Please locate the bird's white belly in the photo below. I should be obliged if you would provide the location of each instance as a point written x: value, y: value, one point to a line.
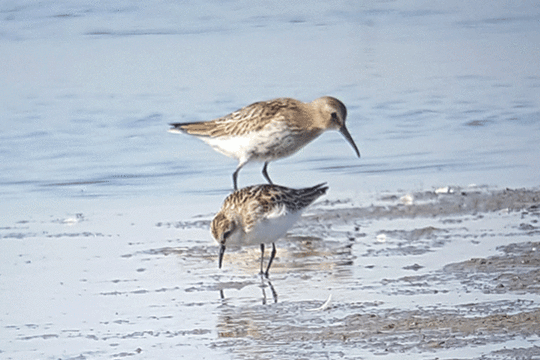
x: 232, y: 146
x: 269, y: 229
x: 264, y: 145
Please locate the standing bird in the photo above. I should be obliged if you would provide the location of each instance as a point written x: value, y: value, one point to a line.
x: 261, y: 214
x: 269, y: 130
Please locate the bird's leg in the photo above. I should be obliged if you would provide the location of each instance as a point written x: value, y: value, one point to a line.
x: 265, y: 173
x: 235, y: 174
x: 272, y: 255
x: 262, y: 258
x: 234, y: 178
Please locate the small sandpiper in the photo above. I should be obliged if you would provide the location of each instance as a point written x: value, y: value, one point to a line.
x: 261, y: 214
x: 269, y: 130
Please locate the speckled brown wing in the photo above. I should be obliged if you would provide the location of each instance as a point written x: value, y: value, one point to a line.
x: 253, y: 117
x: 252, y: 202
x: 257, y: 201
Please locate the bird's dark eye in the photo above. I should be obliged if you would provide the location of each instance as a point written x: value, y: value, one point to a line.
x: 226, y: 234
x: 334, y: 117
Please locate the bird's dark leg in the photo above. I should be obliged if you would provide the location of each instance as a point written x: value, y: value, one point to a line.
x: 262, y: 258
x: 265, y: 173
x: 272, y: 255
x: 241, y: 164
x: 235, y: 177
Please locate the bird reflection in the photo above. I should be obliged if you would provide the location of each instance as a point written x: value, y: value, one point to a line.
x: 265, y: 283
x: 274, y: 293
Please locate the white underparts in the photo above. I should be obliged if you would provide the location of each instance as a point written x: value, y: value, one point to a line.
x: 271, y: 143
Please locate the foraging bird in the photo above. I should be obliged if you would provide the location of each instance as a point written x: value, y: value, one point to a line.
x: 261, y: 214
x: 269, y: 130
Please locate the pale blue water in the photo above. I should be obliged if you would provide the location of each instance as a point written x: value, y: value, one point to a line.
x: 444, y: 93
x: 436, y: 96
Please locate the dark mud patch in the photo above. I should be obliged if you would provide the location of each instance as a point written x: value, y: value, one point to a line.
x: 440, y: 203
x: 517, y: 269
x: 379, y: 331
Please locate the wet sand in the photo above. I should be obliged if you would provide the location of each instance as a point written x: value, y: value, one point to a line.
x: 508, y: 280
x: 446, y: 273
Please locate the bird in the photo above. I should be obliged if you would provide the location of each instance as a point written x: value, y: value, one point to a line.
x: 269, y: 130
x: 261, y: 214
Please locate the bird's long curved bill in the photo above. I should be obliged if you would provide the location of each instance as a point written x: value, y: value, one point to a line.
x: 221, y: 252
x: 349, y: 139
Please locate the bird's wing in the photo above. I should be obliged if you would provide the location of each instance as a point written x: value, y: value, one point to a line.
x: 253, y: 117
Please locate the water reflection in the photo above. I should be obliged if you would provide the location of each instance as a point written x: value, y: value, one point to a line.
x: 265, y: 283
x: 273, y: 291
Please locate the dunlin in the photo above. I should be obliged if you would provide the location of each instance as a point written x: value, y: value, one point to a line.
x: 261, y: 214
x: 269, y: 130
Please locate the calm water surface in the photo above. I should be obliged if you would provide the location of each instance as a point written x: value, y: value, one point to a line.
x: 437, y: 95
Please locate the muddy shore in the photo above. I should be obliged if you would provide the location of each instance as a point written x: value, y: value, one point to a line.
x: 504, y: 284
x: 447, y: 273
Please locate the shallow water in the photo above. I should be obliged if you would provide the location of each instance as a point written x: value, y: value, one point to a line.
x: 104, y: 233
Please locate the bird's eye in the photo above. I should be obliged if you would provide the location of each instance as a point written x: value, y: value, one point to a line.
x: 226, y: 234
x: 335, y: 117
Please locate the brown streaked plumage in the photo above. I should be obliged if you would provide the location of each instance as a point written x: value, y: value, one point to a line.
x: 269, y: 130
x: 261, y: 214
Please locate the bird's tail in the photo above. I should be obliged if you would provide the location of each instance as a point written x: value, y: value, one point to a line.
x: 201, y: 128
